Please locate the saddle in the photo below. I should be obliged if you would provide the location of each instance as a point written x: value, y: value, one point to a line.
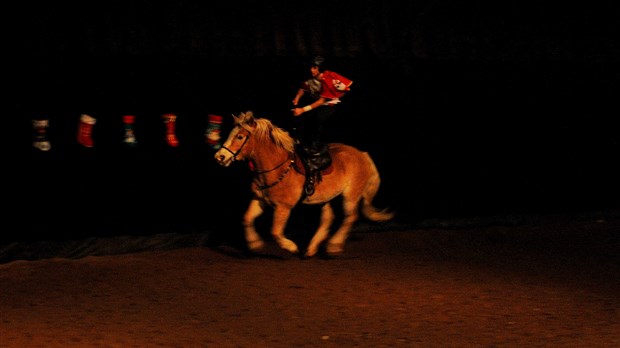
x: 315, y: 158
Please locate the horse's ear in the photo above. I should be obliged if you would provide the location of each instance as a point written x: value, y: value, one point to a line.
x: 248, y: 118
x: 237, y: 120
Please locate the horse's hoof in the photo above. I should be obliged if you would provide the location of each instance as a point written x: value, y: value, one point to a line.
x: 311, y: 252
x: 289, y: 246
x: 335, y: 249
x: 256, y: 245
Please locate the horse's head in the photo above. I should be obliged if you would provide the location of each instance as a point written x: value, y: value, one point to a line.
x: 236, y: 146
x: 250, y: 132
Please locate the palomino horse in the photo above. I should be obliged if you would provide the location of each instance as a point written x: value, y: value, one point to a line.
x: 278, y: 183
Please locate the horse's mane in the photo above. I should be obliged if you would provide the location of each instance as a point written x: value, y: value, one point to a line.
x: 266, y: 130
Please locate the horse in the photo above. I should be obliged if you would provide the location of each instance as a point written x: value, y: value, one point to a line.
x: 278, y: 180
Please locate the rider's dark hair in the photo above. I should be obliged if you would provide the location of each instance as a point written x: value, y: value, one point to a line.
x: 319, y: 62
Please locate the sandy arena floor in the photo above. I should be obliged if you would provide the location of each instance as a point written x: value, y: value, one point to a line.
x: 553, y: 284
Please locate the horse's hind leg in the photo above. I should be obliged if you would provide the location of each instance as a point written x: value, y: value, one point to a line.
x: 327, y: 217
x: 252, y: 239
x: 280, y: 218
x: 350, y: 212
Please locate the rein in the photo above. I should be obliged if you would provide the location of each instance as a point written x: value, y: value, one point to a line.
x: 257, y: 171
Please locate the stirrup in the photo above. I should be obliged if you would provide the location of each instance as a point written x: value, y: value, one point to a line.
x: 309, y: 185
x: 309, y: 189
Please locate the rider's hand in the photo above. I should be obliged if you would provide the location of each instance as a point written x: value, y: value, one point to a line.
x: 297, y: 111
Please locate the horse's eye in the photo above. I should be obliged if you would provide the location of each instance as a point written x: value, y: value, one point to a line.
x: 239, y: 137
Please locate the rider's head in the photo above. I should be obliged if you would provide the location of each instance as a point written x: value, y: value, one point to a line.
x: 318, y: 62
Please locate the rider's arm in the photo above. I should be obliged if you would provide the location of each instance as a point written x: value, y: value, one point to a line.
x: 315, y: 104
x: 300, y: 93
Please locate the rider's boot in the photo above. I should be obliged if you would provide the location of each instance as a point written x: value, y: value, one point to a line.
x: 315, y: 157
x: 311, y: 175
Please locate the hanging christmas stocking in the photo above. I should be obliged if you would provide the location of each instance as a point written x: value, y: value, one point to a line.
x: 130, y: 138
x: 40, y: 135
x: 212, y: 133
x: 170, y: 121
x: 85, y: 130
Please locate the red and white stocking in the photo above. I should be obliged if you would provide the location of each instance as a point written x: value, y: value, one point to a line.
x: 85, y: 130
x: 40, y: 135
x: 170, y: 121
x: 212, y: 133
x: 130, y: 138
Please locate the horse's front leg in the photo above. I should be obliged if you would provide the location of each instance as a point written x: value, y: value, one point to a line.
x: 280, y: 218
x: 252, y: 239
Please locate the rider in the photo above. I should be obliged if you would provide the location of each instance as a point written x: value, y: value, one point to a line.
x: 325, y: 89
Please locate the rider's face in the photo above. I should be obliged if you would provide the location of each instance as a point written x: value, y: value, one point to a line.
x: 314, y: 71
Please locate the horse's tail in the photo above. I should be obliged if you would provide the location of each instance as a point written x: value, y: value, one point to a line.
x: 369, y: 211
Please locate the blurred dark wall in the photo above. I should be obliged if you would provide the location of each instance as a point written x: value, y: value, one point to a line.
x: 468, y: 109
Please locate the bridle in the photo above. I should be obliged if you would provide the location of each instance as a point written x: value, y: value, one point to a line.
x: 234, y: 154
x: 290, y: 159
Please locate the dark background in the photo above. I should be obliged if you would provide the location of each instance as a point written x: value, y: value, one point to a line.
x: 469, y: 109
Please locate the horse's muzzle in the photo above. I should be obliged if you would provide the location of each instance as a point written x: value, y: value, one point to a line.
x: 222, y: 159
